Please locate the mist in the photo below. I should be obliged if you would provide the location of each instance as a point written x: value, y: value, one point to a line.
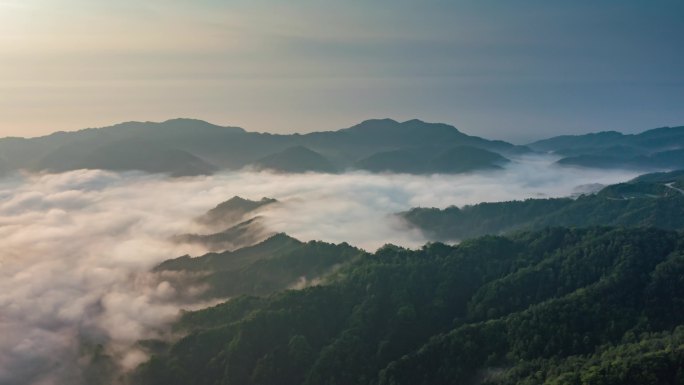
x: 76, y: 248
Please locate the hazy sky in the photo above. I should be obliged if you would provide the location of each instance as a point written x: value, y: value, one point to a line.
x: 500, y: 69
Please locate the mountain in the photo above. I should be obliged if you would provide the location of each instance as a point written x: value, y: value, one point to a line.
x: 243, y: 234
x: 564, y: 143
x: 191, y: 147
x: 672, y: 177
x: 650, y: 200
x: 398, y: 161
x: 126, y: 155
x: 420, y: 160
x: 660, y: 148
x: 296, y: 159
x: 275, y: 264
x: 4, y: 168
x: 393, y: 134
x: 237, y: 222
x: 465, y: 159
x: 232, y: 211
x: 558, y: 306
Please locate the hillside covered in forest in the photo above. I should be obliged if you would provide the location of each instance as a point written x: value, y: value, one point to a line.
x: 649, y: 200
x: 558, y: 306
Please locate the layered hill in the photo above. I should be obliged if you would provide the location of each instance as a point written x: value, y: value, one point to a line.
x: 657, y: 149
x: 559, y: 306
x: 247, y: 257
x: 655, y: 200
x: 192, y: 147
x: 275, y: 264
x: 231, y: 225
x: 419, y: 160
x: 232, y: 211
x: 296, y: 159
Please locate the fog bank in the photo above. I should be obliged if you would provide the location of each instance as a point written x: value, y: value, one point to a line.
x: 76, y: 248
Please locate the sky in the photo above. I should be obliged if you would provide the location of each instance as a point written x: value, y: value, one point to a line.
x: 517, y: 71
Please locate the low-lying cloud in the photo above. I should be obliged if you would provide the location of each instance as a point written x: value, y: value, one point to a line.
x: 76, y: 248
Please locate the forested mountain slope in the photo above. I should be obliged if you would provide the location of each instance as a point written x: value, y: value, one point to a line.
x: 277, y: 263
x: 559, y: 306
x: 650, y: 200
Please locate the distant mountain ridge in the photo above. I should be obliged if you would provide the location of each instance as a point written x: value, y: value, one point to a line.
x: 650, y: 200
x: 186, y: 147
x: 656, y: 149
x: 183, y: 147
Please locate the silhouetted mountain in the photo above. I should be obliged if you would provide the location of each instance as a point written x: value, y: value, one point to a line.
x: 560, y: 144
x: 126, y: 155
x: 465, y: 159
x: 295, y: 160
x: 4, y: 167
x: 378, y: 144
x: 405, y: 161
x: 163, y: 147
x: 420, y: 160
x: 393, y: 134
x: 660, y: 148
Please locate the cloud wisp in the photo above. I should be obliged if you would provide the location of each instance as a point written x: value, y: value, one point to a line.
x: 76, y: 248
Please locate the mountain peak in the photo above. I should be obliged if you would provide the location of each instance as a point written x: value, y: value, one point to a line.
x: 232, y: 211
x: 391, y: 125
x: 192, y: 123
x: 414, y: 121
x: 186, y: 121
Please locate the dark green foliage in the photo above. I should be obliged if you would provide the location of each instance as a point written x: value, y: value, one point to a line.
x: 559, y: 306
x: 485, y: 218
x: 636, y: 203
x: 274, y: 264
x: 661, y: 177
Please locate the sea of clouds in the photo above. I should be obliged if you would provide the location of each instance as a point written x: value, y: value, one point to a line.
x: 76, y: 248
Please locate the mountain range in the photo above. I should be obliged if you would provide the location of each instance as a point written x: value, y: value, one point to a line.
x: 649, y: 200
x: 184, y: 147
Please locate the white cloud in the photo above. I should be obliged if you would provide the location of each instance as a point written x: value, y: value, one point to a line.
x: 76, y: 248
